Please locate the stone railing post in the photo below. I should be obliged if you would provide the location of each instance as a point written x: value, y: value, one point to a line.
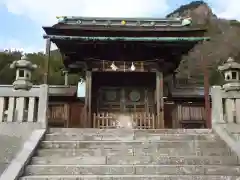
x: 217, y: 105
x: 65, y: 73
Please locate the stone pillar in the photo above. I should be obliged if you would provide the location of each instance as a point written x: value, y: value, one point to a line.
x: 231, y: 90
x: 24, y: 70
x: 217, y: 105
x: 65, y: 72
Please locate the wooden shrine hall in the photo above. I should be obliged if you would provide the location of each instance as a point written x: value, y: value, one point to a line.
x: 128, y: 66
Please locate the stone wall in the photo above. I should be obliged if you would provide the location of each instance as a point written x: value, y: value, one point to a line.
x: 12, y: 138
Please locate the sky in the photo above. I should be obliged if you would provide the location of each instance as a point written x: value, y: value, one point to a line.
x: 22, y: 20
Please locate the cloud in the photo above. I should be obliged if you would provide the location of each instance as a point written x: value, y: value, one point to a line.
x: 45, y: 11
x: 14, y: 44
x: 226, y: 9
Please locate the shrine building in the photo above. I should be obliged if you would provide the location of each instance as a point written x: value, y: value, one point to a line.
x: 129, y: 66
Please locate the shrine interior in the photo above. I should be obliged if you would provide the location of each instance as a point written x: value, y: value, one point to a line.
x: 123, y: 92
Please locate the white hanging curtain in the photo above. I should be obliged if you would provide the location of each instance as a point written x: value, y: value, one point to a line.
x: 81, y: 90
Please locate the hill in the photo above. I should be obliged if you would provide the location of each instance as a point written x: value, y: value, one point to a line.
x: 225, y: 42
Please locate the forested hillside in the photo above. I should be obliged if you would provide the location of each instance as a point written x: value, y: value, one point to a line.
x: 56, y: 77
x: 225, y: 42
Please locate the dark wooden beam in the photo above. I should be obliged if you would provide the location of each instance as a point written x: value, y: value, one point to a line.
x: 89, y: 75
x: 118, y: 51
x: 76, y: 30
x: 48, y: 54
x: 115, y: 54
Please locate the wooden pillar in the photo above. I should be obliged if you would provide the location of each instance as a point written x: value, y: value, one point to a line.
x: 159, y: 100
x: 48, y: 53
x: 174, y: 80
x: 206, y: 95
x: 88, y: 99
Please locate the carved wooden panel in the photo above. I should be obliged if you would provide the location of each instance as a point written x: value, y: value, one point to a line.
x: 125, y: 99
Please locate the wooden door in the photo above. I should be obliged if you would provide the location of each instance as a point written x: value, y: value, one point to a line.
x: 168, y: 111
x: 75, y: 120
x: 58, y: 114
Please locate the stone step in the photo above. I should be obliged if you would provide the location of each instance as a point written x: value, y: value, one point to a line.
x: 130, y: 177
x: 132, y: 144
x: 136, y: 151
x: 122, y: 131
x: 141, y: 160
x: 131, y: 170
x: 136, y: 136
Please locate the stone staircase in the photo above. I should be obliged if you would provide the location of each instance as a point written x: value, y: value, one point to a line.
x: 122, y: 154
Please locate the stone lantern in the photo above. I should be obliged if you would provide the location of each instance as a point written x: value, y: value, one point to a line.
x: 24, y: 70
x: 231, y: 73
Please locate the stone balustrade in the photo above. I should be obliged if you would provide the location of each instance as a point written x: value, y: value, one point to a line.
x: 226, y: 105
x: 24, y: 105
x: 23, y: 120
x: 226, y: 98
x: 23, y: 102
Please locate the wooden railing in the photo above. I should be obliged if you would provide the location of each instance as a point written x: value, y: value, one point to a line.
x: 110, y: 120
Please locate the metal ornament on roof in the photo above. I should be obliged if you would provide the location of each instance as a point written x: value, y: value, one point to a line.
x: 186, y: 21
x: 160, y: 22
x: 153, y: 23
x: 79, y: 22
x: 123, y: 22
x: 231, y: 73
x: 108, y: 23
x: 61, y: 19
x: 24, y: 70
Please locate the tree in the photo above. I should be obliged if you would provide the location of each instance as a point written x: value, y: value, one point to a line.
x: 214, y: 52
x: 7, y: 75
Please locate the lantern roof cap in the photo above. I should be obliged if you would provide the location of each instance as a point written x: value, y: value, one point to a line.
x: 230, y: 64
x: 23, y: 63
